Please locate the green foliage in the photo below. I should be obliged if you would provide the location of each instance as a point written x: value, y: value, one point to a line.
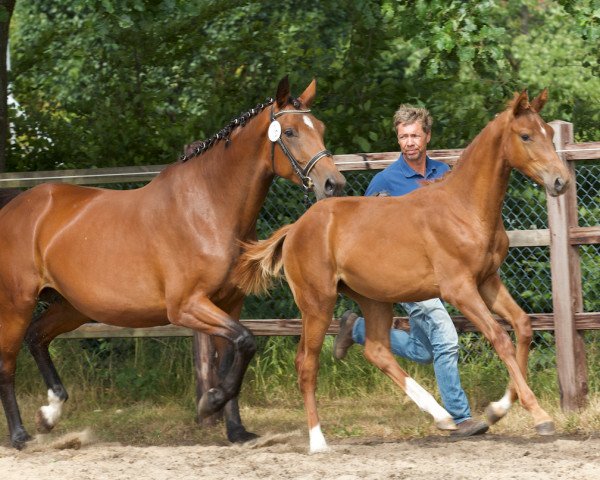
x: 129, y: 82
x: 117, y: 370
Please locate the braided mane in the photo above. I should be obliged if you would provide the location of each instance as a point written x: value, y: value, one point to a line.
x: 200, y: 146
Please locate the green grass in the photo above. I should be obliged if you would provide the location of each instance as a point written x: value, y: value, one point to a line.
x: 142, y: 392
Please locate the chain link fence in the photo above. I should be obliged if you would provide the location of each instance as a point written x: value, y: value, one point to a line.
x: 526, y: 270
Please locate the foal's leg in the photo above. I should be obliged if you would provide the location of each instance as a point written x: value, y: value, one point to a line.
x: 12, y: 330
x: 465, y: 296
x: 315, y: 322
x: 59, y: 317
x: 378, y: 321
x: 500, y: 301
x: 199, y: 313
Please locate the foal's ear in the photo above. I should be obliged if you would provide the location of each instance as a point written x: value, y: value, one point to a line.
x: 283, y: 92
x: 520, y: 103
x: 538, y: 102
x: 308, y: 95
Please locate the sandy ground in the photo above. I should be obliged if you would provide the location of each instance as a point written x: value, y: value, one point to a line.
x: 285, y: 456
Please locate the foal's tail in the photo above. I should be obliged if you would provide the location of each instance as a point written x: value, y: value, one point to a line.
x: 260, y: 262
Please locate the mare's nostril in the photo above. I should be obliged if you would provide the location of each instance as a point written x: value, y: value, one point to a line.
x: 329, y: 187
x: 559, y: 184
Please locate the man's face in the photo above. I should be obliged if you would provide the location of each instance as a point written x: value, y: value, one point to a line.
x: 413, y: 141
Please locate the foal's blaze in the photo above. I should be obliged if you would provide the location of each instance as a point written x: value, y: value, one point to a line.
x: 530, y: 145
x: 443, y: 240
x: 160, y: 254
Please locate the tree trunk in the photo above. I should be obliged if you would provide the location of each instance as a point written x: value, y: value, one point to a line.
x: 6, y: 11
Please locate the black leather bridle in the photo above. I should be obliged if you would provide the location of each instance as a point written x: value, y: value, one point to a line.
x: 306, y: 181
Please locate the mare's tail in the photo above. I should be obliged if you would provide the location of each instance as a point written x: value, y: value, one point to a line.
x: 260, y: 262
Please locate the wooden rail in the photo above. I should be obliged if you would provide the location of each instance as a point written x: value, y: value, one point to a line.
x: 293, y: 326
x: 563, y: 236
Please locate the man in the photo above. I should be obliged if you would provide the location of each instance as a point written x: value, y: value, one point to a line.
x: 432, y: 334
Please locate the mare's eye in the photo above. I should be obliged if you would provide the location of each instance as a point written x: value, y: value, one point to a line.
x: 289, y: 132
x: 525, y: 137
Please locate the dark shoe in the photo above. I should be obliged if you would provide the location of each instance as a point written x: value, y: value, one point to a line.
x: 469, y: 428
x: 344, y: 341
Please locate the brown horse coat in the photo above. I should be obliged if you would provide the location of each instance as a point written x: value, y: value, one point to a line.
x: 443, y: 240
x: 162, y: 253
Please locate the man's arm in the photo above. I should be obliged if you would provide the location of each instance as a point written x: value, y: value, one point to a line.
x: 377, y: 185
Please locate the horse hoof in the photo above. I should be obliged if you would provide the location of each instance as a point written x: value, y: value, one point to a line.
x: 211, y: 402
x: 20, y: 438
x: 41, y: 423
x: 317, y: 450
x: 492, y: 415
x: 446, y: 424
x: 545, y: 428
x: 240, y: 435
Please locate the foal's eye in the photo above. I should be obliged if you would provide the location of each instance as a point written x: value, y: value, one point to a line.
x: 289, y: 132
x: 525, y: 137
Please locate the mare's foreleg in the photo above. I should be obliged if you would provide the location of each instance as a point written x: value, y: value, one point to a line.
x: 378, y: 321
x: 200, y: 314
x: 465, y: 296
x: 236, y: 432
x: 59, y: 317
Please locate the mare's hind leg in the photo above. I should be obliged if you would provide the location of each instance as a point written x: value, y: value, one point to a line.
x: 500, y: 301
x: 12, y: 331
x: 200, y: 314
x: 59, y: 317
x: 465, y: 296
x: 378, y: 321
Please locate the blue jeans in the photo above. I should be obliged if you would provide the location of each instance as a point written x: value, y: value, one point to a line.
x: 432, y: 337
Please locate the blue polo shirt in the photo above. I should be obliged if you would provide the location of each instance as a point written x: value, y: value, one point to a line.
x: 399, y: 178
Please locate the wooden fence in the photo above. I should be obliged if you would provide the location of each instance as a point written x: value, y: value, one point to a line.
x: 563, y: 237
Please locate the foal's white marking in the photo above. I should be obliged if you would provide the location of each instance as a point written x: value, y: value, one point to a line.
x: 53, y: 410
x: 425, y: 400
x: 317, y: 440
x: 308, y: 121
x: 503, y: 405
x: 542, y: 129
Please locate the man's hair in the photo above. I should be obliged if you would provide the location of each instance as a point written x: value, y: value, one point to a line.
x: 408, y: 114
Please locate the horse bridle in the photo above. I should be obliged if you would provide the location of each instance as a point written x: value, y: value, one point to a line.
x: 275, y: 137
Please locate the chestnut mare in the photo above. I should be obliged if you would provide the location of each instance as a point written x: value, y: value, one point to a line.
x: 443, y: 240
x: 162, y: 253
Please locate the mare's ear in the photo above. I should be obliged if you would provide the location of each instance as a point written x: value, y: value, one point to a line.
x: 308, y: 95
x: 283, y: 92
x: 520, y: 103
x: 538, y: 103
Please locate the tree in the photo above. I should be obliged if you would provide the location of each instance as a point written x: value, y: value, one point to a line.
x: 128, y: 82
x: 6, y: 11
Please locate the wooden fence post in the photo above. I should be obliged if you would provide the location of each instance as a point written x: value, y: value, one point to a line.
x: 206, y: 375
x: 567, y: 296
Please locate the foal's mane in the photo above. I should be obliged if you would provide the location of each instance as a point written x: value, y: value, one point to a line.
x: 200, y: 146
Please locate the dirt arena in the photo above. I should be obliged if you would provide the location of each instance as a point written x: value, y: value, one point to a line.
x: 284, y: 456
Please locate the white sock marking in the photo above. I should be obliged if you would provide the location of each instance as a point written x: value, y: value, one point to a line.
x: 53, y: 410
x: 503, y: 405
x: 425, y: 400
x: 317, y: 440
